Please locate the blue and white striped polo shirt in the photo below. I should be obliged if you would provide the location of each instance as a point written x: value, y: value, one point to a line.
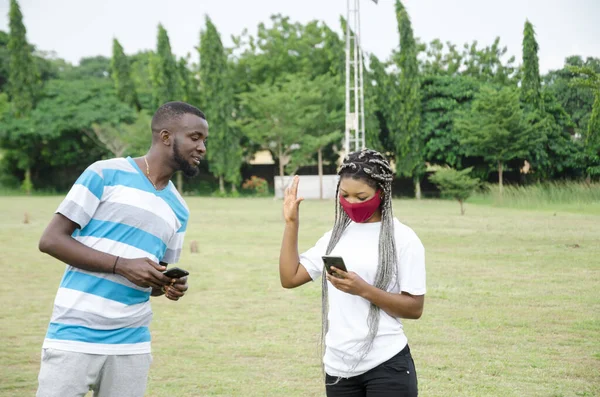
x: 119, y: 212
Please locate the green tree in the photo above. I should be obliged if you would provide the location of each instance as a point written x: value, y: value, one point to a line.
x: 560, y: 150
x: 577, y: 101
x: 333, y: 51
x: 487, y: 64
x: 295, y: 119
x: 443, y: 98
x: 4, y: 61
x: 321, y: 123
x: 4, y: 104
x: 379, y: 89
x: 455, y: 184
x: 163, y: 71
x: 140, y: 74
x: 123, y: 138
x: 556, y: 154
x: 531, y: 98
x: 165, y: 78
x: 56, y: 132
x: 272, y: 119
x: 590, y: 79
x: 281, y: 49
x: 121, y: 75
x: 98, y: 67
x: 50, y: 66
x: 496, y: 128
x: 531, y: 88
x: 225, y: 154
x: 23, y: 77
x: 285, y: 48
x: 437, y: 62
x: 450, y: 80
x: 409, y: 143
x: 188, y: 84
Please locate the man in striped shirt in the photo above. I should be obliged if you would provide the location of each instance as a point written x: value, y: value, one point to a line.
x: 119, y: 226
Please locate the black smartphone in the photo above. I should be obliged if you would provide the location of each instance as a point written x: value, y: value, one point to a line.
x: 175, y: 273
x: 335, y: 261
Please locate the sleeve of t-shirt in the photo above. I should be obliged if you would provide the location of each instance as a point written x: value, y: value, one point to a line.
x: 83, y: 198
x: 311, y: 259
x: 175, y: 246
x: 412, y: 266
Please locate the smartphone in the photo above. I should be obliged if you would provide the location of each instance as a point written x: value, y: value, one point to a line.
x: 336, y: 261
x: 175, y: 273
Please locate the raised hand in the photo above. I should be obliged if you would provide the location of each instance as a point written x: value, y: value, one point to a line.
x: 291, y: 202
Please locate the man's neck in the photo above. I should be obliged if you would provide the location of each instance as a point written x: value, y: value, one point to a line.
x: 158, y: 169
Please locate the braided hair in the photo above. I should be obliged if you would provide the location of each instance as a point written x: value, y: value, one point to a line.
x: 371, y: 167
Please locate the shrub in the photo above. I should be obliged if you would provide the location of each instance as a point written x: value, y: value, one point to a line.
x: 256, y: 185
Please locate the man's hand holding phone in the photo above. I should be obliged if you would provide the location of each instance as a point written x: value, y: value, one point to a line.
x: 142, y: 272
x: 178, y: 285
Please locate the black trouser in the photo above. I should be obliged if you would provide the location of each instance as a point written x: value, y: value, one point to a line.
x: 396, y: 377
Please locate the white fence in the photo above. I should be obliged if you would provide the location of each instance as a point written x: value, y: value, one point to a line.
x: 308, y: 186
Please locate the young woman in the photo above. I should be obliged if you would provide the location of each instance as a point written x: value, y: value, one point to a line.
x: 366, y: 350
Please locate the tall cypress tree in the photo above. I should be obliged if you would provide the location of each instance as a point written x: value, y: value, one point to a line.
x: 121, y: 75
x: 163, y: 71
x: 164, y: 75
x: 552, y: 155
x: 531, y: 100
x: 185, y: 80
x: 225, y: 154
x: 531, y: 87
x: 23, y: 77
x: 409, y: 145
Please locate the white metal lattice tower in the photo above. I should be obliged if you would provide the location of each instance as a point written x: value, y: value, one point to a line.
x: 355, y: 101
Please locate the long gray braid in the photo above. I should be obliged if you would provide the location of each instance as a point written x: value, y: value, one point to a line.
x: 373, y: 168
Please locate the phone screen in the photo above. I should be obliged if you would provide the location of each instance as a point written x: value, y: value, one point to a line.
x: 336, y: 261
x: 175, y: 273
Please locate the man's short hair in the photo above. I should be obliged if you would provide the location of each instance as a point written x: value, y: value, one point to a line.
x: 172, y: 111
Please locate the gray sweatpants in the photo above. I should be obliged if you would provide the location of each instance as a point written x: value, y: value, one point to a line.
x: 69, y: 374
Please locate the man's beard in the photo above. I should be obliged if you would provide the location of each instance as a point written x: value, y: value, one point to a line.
x: 183, y: 164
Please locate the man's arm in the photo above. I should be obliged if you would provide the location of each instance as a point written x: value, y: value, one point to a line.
x: 58, y: 242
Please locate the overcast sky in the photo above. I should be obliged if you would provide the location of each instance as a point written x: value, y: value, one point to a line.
x: 79, y: 28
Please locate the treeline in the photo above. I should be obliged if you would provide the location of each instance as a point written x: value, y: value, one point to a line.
x: 282, y: 89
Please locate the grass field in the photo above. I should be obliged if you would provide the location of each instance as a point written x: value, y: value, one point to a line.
x: 512, y: 309
x: 566, y: 196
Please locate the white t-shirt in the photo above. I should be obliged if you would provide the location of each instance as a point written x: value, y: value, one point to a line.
x: 348, y: 329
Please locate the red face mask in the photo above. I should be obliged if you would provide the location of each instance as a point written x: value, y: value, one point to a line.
x: 362, y: 211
